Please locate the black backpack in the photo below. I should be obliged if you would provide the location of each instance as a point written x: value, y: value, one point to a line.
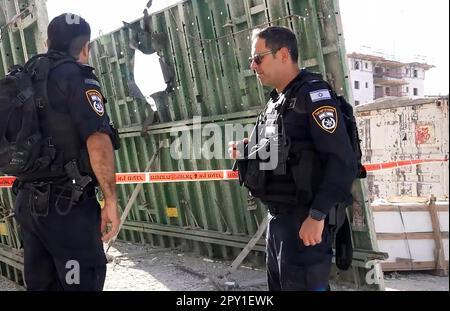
x: 23, y: 92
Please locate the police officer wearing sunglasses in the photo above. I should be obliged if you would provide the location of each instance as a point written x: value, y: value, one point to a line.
x: 302, y: 129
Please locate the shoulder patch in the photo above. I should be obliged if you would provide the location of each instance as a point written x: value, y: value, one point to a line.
x: 96, y: 100
x: 320, y: 95
x: 327, y: 119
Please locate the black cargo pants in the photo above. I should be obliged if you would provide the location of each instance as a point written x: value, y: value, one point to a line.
x: 62, y: 252
x: 292, y: 266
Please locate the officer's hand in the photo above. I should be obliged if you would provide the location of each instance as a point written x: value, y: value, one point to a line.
x: 234, y: 147
x: 110, y: 215
x: 311, y: 231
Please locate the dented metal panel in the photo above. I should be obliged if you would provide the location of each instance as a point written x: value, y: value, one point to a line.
x: 394, y: 130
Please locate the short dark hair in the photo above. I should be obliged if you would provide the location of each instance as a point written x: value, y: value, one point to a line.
x: 68, y: 33
x: 279, y: 37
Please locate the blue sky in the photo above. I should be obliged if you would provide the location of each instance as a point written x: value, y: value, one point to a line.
x: 408, y: 30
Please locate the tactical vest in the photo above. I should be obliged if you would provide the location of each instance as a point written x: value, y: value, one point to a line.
x: 298, y: 171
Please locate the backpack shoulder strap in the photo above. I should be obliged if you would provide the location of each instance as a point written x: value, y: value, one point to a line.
x: 40, y: 67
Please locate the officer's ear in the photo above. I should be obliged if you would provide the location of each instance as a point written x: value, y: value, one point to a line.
x: 285, y: 55
x: 84, y: 54
x: 86, y: 49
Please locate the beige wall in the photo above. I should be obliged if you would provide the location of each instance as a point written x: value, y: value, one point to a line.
x: 412, y: 130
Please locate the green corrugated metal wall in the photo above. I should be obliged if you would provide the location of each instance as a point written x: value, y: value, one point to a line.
x: 207, y: 45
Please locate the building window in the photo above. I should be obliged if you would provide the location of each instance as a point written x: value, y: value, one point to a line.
x: 416, y: 73
x: 356, y: 65
x: 407, y: 89
x: 407, y: 72
x: 367, y: 85
x: 356, y: 85
x: 388, y: 91
x: 366, y: 65
x: 356, y: 102
x: 416, y: 91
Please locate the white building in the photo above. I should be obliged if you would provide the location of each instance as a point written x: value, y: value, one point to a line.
x: 374, y: 77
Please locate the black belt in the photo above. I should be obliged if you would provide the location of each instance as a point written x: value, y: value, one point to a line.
x: 285, y: 210
x: 43, y: 192
x: 65, y: 192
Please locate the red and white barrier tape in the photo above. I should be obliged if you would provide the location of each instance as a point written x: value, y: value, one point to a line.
x: 397, y: 164
x: 188, y: 176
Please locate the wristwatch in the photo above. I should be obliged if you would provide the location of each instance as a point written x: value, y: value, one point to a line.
x: 317, y: 215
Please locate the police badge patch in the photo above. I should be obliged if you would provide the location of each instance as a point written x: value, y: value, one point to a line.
x: 96, y: 100
x: 326, y: 118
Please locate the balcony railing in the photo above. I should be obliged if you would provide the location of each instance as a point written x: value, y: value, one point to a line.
x: 388, y: 75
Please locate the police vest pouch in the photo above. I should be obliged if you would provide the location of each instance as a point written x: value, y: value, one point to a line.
x: 39, y: 198
x: 307, y: 173
x: 251, y: 170
x: 255, y: 178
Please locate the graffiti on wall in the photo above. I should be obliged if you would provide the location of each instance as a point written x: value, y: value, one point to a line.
x: 424, y: 133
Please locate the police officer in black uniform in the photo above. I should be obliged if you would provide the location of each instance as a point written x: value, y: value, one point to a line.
x: 302, y: 128
x: 62, y: 223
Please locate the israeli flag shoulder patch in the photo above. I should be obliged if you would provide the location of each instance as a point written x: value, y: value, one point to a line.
x: 320, y: 95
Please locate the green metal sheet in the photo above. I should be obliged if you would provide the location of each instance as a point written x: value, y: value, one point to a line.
x: 206, y: 43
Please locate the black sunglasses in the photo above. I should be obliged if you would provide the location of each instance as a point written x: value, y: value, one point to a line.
x: 258, y: 58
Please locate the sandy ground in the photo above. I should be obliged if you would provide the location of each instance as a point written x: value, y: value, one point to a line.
x: 140, y: 268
